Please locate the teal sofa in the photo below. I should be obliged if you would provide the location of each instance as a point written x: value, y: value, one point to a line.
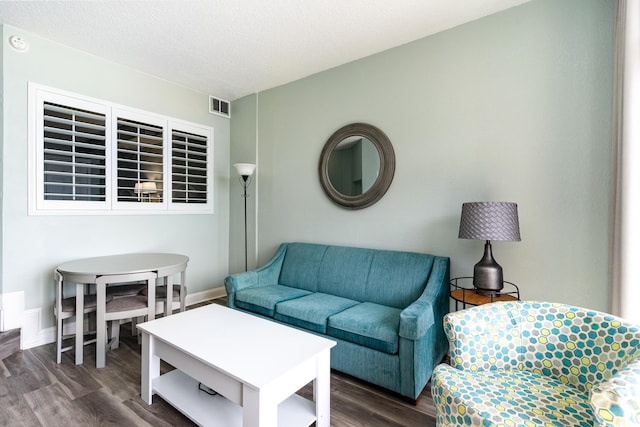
x: 383, y: 308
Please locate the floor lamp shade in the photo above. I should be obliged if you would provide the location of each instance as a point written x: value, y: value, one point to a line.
x: 489, y: 221
x: 245, y: 170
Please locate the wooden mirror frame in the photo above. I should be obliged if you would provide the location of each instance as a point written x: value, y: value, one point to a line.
x: 385, y: 175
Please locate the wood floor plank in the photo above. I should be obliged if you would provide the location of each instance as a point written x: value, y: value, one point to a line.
x: 9, y: 343
x: 14, y: 409
x: 102, y: 408
x: 4, y: 372
x: 52, y: 407
x: 159, y: 414
x: 27, y: 367
x: 354, y: 397
x: 74, y: 380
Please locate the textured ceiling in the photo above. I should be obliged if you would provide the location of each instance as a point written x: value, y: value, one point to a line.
x: 231, y: 48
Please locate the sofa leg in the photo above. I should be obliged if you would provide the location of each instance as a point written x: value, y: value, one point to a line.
x: 411, y: 401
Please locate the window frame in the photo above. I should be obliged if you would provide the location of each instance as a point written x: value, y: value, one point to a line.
x: 38, y: 205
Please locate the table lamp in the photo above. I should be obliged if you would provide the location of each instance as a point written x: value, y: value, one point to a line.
x: 489, y: 221
x: 146, y: 188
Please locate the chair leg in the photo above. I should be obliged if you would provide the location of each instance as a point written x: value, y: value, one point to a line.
x: 115, y: 334
x: 58, y: 339
x: 183, y: 298
x: 134, y: 330
x: 134, y: 322
x: 92, y: 321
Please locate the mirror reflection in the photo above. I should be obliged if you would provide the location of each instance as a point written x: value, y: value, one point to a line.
x: 353, y: 166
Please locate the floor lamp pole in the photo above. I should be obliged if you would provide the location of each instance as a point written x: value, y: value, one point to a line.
x: 245, y: 170
x: 244, y: 180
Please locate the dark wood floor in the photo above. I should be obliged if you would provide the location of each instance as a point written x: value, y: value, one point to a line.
x: 35, y: 391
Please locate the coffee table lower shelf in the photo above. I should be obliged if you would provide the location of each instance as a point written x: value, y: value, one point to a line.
x: 181, y: 391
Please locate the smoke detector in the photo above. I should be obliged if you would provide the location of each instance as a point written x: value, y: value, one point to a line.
x: 18, y: 43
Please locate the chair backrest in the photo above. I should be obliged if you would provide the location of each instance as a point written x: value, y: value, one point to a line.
x: 57, y: 278
x: 574, y: 345
x: 128, y: 306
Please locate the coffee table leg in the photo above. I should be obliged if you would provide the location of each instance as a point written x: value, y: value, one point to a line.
x: 322, y: 389
x: 150, y: 368
x: 257, y: 409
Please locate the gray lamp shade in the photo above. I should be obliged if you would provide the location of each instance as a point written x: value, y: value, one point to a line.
x: 489, y: 221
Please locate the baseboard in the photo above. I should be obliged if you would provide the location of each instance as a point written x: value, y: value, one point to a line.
x: 11, y: 310
x: 33, y: 336
x: 206, y: 295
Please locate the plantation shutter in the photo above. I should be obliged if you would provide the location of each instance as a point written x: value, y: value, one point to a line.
x: 73, y: 153
x: 139, y: 161
x: 189, y: 166
x: 88, y: 156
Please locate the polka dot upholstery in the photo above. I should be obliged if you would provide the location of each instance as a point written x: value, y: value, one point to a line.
x: 535, y: 363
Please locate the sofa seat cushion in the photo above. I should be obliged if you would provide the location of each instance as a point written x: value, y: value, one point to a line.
x: 263, y: 299
x: 312, y: 311
x: 508, y: 397
x: 368, y: 324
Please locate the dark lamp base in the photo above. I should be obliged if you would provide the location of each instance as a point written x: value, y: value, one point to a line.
x: 487, y: 274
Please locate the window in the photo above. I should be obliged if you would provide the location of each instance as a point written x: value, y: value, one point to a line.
x: 91, y: 156
x: 188, y: 167
x: 74, y: 153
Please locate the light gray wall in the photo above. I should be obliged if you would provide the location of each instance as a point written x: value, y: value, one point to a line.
x: 512, y: 107
x: 244, y: 142
x: 32, y: 246
x: 2, y: 133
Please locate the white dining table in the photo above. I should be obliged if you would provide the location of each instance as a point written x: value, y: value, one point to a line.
x: 85, y: 271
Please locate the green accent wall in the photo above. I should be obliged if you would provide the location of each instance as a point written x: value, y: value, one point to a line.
x: 512, y: 107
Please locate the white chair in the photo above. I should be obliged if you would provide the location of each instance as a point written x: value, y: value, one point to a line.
x: 65, y: 309
x: 119, y: 308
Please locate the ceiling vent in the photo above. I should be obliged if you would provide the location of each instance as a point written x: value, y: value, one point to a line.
x: 219, y: 106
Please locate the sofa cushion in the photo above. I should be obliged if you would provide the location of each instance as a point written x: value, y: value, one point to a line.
x: 301, y: 264
x: 312, y: 311
x: 263, y: 299
x: 408, y: 268
x: 507, y: 397
x: 344, y: 272
x: 372, y: 325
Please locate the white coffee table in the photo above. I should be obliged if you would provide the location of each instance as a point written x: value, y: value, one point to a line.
x: 256, y: 364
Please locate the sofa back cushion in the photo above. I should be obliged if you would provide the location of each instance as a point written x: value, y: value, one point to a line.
x: 396, y: 278
x: 344, y: 272
x: 301, y: 265
x: 391, y: 278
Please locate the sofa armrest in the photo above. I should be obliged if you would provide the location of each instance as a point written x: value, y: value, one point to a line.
x: 419, y: 316
x: 266, y: 275
x: 616, y: 402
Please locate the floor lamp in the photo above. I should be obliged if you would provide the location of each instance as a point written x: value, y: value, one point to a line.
x: 245, y: 170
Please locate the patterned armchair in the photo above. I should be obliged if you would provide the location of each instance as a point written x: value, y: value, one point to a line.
x: 535, y: 363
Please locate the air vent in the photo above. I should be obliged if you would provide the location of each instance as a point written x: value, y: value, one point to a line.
x: 219, y: 106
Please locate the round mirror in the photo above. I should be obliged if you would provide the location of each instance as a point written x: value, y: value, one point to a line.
x: 357, y: 165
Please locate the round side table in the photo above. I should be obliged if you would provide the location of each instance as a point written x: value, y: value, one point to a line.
x: 463, y: 292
